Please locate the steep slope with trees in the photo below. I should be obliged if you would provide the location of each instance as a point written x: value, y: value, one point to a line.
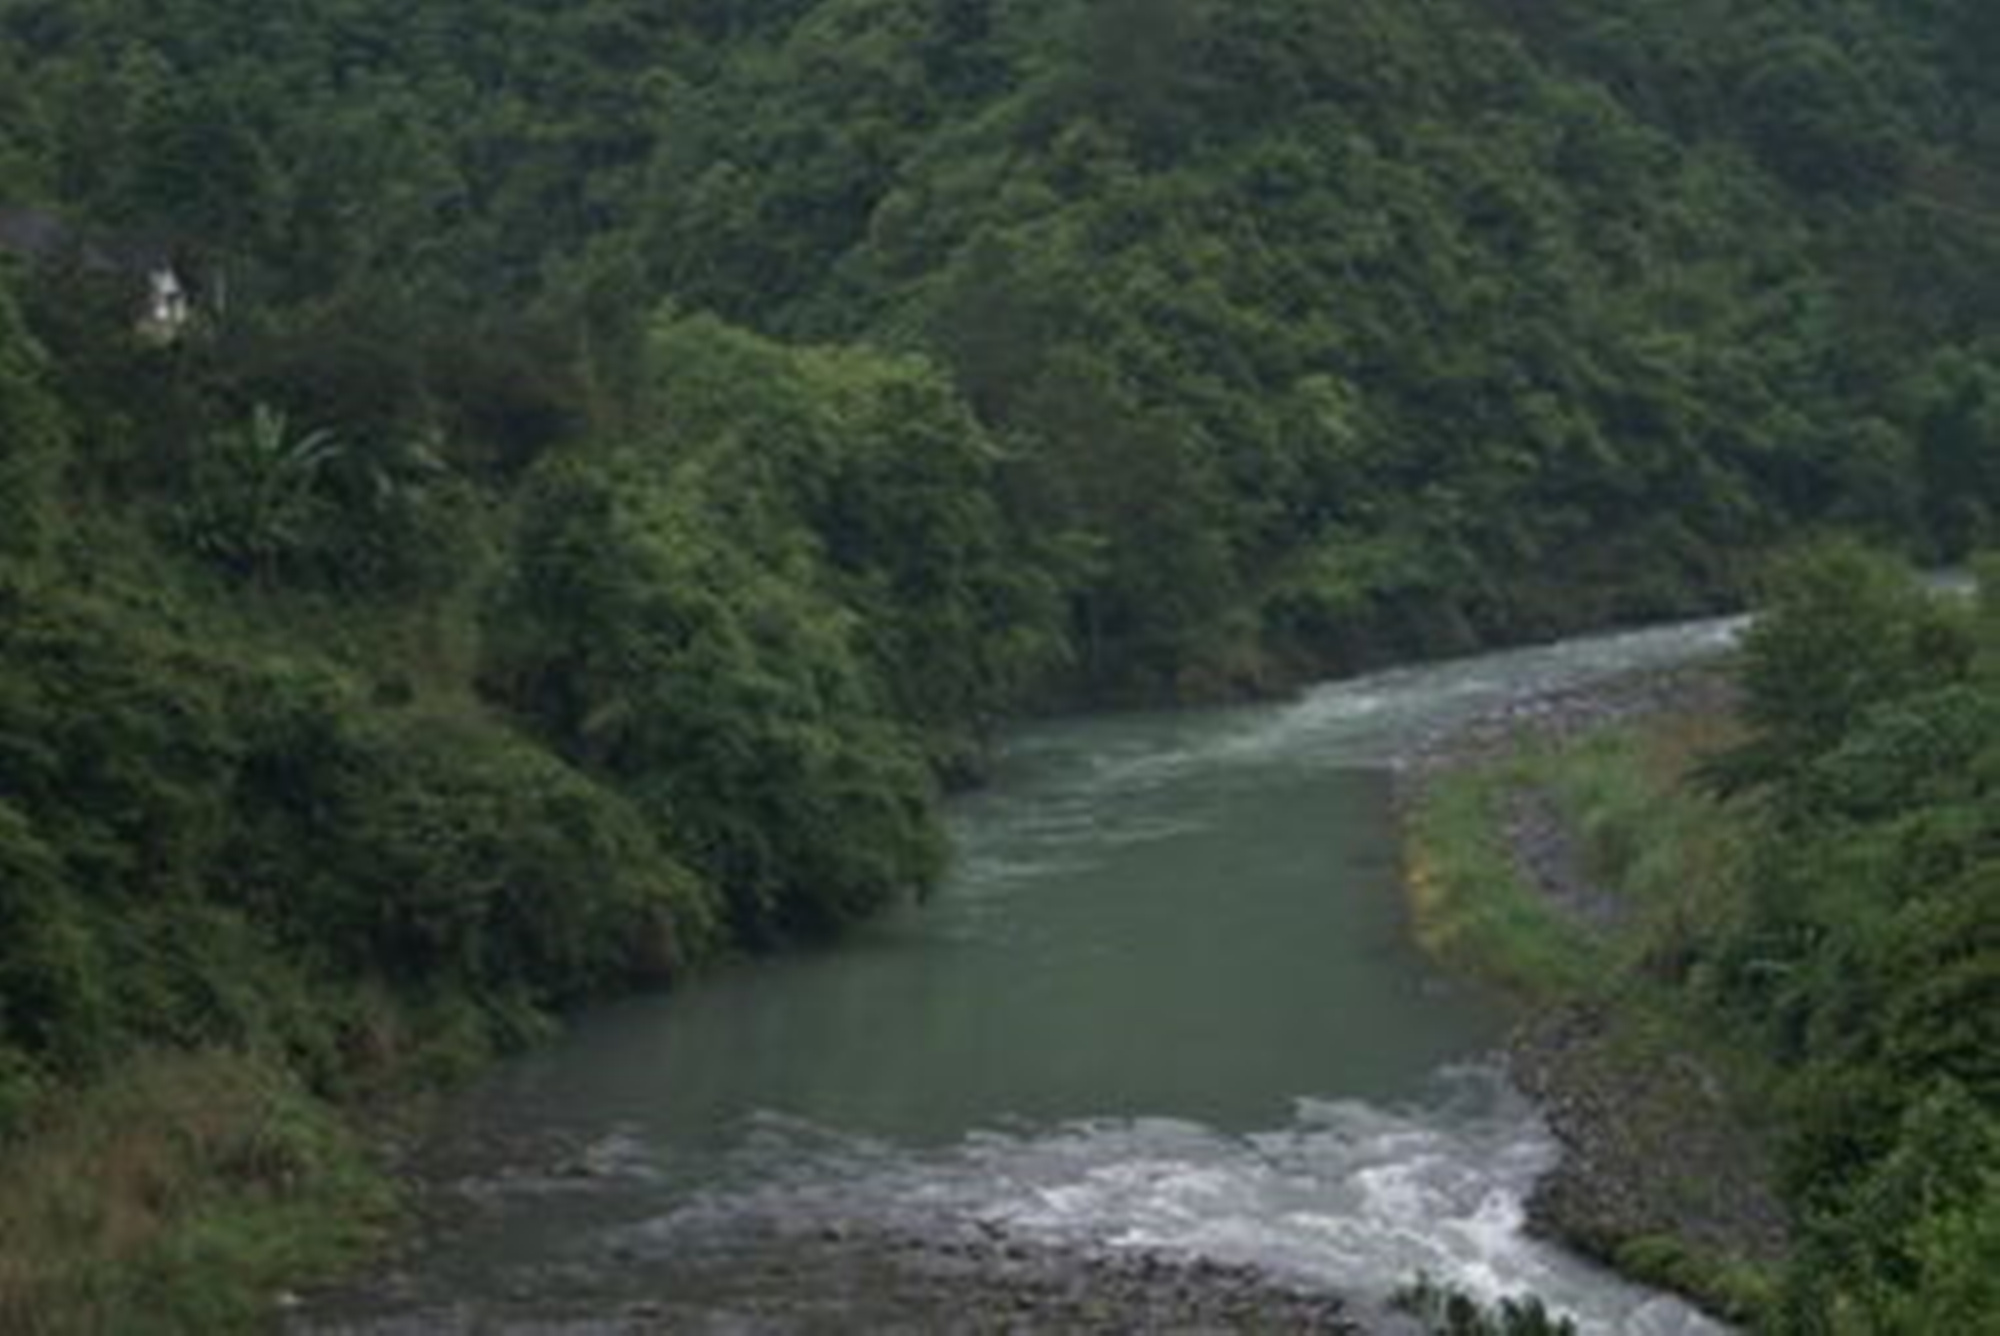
x: 625, y: 459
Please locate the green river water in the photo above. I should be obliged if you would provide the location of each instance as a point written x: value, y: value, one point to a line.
x: 1166, y: 999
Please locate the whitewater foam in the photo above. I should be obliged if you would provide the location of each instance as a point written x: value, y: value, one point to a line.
x: 1350, y: 1197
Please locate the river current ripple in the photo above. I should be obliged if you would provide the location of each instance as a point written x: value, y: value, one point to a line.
x: 1165, y: 1005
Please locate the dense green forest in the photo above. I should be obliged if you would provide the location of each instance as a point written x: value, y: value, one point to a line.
x: 1864, y: 952
x: 1807, y: 937
x: 625, y: 458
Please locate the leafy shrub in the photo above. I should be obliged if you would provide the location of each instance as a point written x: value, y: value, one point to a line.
x: 55, y: 983
x: 444, y: 854
x: 877, y: 465
x: 1910, y: 1247
x: 31, y: 438
x: 197, y: 852
x: 1842, y: 631
x: 254, y: 490
x: 715, y: 686
x: 268, y: 502
x: 115, y: 754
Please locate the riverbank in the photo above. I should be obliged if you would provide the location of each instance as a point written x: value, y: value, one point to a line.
x: 179, y: 1194
x: 1556, y: 850
x: 815, y: 1277
x: 231, y: 1198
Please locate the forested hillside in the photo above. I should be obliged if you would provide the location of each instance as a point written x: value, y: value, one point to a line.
x: 1863, y: 951
x: 624, y: 458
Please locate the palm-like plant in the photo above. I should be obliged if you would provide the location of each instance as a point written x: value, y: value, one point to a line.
x: 256, y: 490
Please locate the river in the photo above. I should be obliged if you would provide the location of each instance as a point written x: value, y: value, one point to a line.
x: 1165, y: 1003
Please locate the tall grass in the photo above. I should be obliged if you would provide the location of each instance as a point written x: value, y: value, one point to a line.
x: 163, y: 1197
x: 1471, y: 905
x: 1645, y: 835
x: 1667, y: 854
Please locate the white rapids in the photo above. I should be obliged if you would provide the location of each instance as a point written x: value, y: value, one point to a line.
x: 1351, y: 1196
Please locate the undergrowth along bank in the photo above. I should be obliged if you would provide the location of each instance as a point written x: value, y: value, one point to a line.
x: 1567, y: 872
x: 1794, y: 985
x: 178, y: 1195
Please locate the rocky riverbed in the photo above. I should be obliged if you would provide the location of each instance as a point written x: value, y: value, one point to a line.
x: 1659, y: 1171
x: 1559, y: 715
x: 1654, y: 1154
x: 844, y: 1278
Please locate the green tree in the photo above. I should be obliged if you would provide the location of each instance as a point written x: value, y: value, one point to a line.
x: 876, y: 460
x: 254, y: 490
x: 1911, y: 1251
x: 715, y: 687
x: 32, y: 445
x: 1955, y: 404
x: 1818, y: 120
x: 1842, y: 631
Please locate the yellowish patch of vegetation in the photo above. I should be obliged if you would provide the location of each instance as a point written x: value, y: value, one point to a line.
x: 145, y: 1202
x: 1469, y: 905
